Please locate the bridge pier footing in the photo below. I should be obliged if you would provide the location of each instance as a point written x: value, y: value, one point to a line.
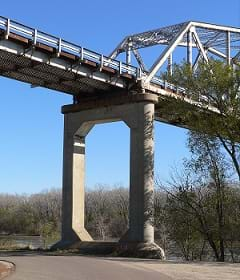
x: 139, y: 117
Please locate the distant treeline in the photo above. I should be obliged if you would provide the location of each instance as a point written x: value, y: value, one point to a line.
x: 186, y: 219
x: 36, y: 214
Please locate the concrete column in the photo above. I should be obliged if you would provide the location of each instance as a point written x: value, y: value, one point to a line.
x: 139, y: 116
x: 73, y: 185
x: 141, y: 176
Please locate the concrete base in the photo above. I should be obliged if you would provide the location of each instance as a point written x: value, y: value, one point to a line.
x: 140, y: 250
x: 62, y: 245
x: 73, y: 238
x: 88, y: 248
x: 118, y: 249
x: 139, y: 117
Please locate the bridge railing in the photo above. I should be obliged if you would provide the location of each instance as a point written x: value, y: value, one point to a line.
x: 35, y: 36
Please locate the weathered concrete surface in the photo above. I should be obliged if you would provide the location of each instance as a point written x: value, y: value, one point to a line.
x: 92, y: 268
x: 139, y: 117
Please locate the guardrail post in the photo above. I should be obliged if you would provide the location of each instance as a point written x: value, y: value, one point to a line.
x: 138, y: 73
x: 81, y: 53
x: 35, y: 37
x: 120, y: 67
x: 7, y: 29
x: 101, y: 63
x: 59, y: 47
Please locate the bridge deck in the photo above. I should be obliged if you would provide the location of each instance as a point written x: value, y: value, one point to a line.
x: 32, y: 56
x: 43, y: 60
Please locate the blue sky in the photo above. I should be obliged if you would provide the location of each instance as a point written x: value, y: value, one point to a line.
x: 31, y: 125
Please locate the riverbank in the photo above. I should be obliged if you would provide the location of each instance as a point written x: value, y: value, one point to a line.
x: 20, y: 241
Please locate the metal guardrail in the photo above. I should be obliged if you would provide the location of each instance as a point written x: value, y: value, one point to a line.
x: 36, y: 36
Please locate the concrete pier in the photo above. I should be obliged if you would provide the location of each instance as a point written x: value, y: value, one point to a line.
x: 139, y: 117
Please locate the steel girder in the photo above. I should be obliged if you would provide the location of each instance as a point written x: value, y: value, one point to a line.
x: 209, y: 39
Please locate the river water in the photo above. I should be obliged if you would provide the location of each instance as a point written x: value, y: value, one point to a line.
x: 21, y: 241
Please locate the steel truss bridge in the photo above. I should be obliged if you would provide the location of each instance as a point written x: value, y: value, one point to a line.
x: 106, y: 89
x: 40, y: 59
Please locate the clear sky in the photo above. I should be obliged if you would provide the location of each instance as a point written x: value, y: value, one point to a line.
x: 31, y: 125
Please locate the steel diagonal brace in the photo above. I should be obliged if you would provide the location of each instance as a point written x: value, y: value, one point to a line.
x: 198, y: 58
x: 213, y: 40
x: 235, y: 58
x: 118, y: 49
x: 211, y: 50
x: 167, y: 52
x: 217, y: 53
x: 195, y: 64
x: 199, y: 44
x: 139, y: 60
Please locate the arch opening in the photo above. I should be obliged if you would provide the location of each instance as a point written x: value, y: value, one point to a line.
x: 107, y: 181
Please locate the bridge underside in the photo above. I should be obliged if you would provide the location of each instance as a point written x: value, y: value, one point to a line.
x: 42, y: 65
x: 46, y: 75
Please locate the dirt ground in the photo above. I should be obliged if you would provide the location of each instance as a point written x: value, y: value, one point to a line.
x: 191, y: 271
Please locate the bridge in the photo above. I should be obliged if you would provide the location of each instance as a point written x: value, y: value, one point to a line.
x: 107, y: 89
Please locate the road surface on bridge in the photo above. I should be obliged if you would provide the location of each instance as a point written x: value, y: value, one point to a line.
x: 41, y: 267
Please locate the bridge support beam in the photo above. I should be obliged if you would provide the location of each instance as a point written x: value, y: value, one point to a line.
x: 73, y: 205
x: 139, y: 117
